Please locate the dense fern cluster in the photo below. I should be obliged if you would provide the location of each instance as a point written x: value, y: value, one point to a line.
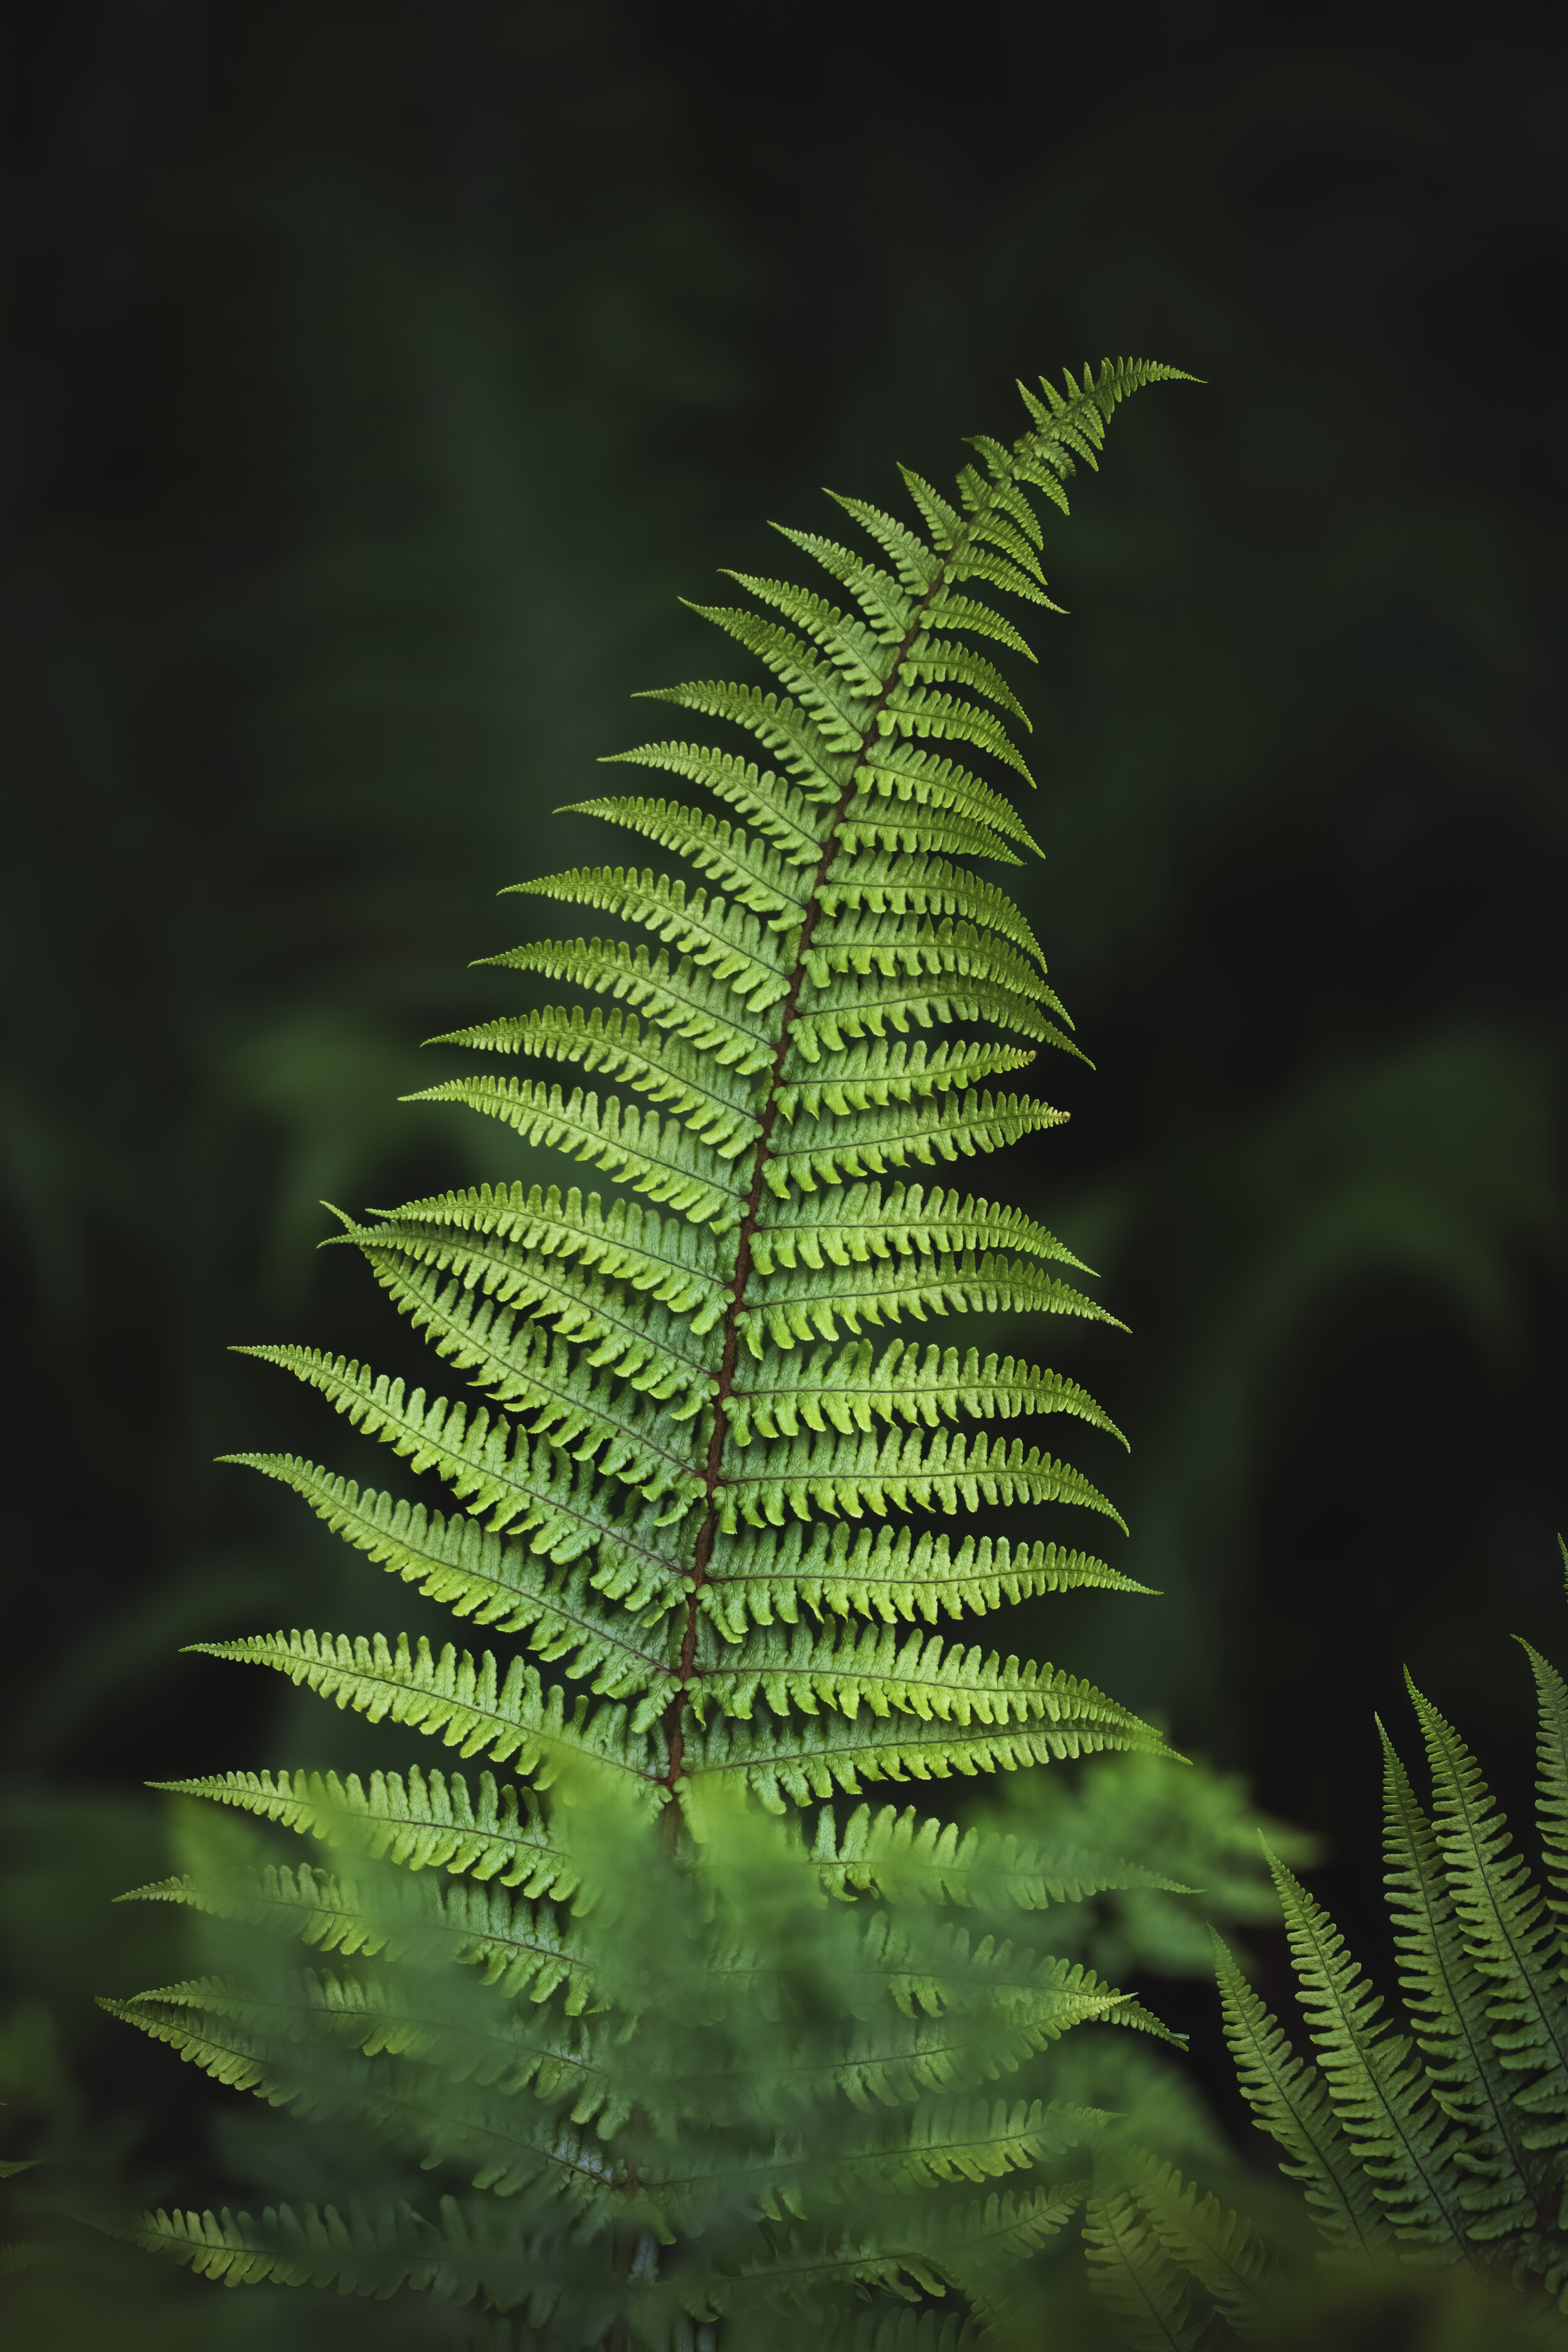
x: 697, y: 1502
x: 1440, y: 2140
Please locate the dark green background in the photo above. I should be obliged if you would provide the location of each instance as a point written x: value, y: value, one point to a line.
x: 375, y: 380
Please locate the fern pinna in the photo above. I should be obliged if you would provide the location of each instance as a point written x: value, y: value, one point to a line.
x: 721, y: 2068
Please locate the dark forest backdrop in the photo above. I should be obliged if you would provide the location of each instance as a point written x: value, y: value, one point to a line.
x: 375, y: 378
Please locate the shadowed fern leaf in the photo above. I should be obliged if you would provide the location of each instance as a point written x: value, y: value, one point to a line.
x: 720, y: 2069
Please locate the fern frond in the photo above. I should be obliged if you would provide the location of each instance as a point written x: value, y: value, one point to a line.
x: 728, y: 941
x: 925, y: 1132
x: 446, y: 2114
x: 912, y: 2255
x: 522, y: 1947
x: 901, y: 2331
x: 1289, y: 2098
x: 965, y: 812
x: 633, y: 1335
x: 875, y: 1076
x: 465, y: 2249
x: 929, y: 885
x: 840, y: 697
x: 662, y: 1258
x: 875, y: 1670
x: 1507, y: 1935
x: 290, y: 2034
x: 728, y: 2072
x: 820, y: 765
x: 581, y: 1404
x: 1375, y: 2086
x: 794, y: 824
x: 359, y: 2253
x: 711, y: 1091
x: 809, y: 1303
x: 1449, y: 2005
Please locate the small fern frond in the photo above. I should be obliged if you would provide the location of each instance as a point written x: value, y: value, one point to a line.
x: 1448, y: 2150
x: 1289, y: 2099
x: 1449, y: 2006
x: 1375, y: 2086
x: 1506, y: 1931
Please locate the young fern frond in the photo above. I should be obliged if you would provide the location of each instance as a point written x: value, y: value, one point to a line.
x: 728, y: 2068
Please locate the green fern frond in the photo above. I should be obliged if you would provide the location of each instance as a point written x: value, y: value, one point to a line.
x: 621, y: 1993
x: 1375, y: 2086
x: 1448, y: 2148
x: 1450, y: 2006
x: 1506, y: 1931
x: 1289, y: 2098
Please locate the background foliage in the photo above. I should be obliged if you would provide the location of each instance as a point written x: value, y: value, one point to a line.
x: 373, y: 383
